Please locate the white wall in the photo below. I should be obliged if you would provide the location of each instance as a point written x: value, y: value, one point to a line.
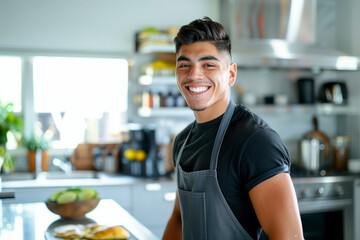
x: 91, y: 25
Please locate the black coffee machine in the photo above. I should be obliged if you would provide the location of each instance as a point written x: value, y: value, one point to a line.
x: 138, y: 156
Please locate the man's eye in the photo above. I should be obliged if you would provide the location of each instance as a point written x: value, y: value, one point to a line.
x: 209, y: 65
x: 183, y: 65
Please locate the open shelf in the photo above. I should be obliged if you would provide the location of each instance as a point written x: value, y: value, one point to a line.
x: 157, y: 80
x: 154, y: 48
x: 323, y: 109
x: 166, y: 112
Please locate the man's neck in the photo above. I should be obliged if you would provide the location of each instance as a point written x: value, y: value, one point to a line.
x: 212, y: 112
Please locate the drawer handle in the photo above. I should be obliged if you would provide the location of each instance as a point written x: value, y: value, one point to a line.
x: 170, y: 196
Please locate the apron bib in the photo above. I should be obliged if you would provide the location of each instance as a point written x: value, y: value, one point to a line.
x: 205, y: 213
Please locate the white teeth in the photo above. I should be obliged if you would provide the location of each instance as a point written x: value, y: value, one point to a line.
x: 198, y: 89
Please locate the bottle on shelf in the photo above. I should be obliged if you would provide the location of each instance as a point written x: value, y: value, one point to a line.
x: 156, y: 100
x: 147, y: 99
x: 170, y: 100
x: 180, y: 101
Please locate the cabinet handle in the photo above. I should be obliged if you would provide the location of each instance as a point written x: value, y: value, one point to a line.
x: 4, y: 195
x: 170, y: 196
x: 153, y: 187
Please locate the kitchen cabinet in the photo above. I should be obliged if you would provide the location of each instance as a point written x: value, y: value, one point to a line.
x: 357, y: 208
x: 153, y: 204
x: 121, y: 194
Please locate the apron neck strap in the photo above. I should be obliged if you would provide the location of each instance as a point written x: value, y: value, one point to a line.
x: 220, y: 135
x: 218, y: 139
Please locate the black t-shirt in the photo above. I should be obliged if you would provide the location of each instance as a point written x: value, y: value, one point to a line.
x: 251, y: 152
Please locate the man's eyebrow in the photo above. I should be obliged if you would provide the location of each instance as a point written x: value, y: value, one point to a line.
x: 208, y: 58
x: 183, y: 58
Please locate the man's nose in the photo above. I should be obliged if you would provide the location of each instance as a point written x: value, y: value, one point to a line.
x: 195, y: 72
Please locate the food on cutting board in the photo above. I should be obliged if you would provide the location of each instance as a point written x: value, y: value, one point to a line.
x: 70, y: 231
x: 90, y: 232
x: 114, y: 232
x: 73, y: 194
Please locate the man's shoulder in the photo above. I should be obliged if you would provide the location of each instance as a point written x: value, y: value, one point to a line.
x: 244, y: 117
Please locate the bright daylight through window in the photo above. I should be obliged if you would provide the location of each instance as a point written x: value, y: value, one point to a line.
x: 10, y: 81
x: 79, y: 99
x: 10, y: 89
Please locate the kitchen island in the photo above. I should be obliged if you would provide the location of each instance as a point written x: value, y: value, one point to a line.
x: 33, y: 221
x: 143, y: 198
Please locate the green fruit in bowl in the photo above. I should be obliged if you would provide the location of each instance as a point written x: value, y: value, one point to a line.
x: 73, y: 194
x: 55, y: 195
x: 66, y: 197
x: 87, y: 194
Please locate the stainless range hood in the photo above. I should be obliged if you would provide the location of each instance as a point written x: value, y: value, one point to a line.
x: 283, y: 34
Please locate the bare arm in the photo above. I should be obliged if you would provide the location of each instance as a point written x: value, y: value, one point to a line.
x: 276, y: 207
x: 173, y: 228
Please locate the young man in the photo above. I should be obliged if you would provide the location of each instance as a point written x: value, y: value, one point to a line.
x: 232, y: 168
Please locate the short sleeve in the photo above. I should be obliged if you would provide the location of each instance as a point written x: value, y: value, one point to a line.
x: 265, y: 155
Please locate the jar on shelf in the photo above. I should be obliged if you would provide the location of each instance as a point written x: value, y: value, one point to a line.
x: 341, y: 152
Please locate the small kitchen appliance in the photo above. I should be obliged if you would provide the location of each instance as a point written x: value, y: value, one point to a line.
x: 305, y: 87
x: 312, y: 154
x: 315, y: 150
x: 138, y: 156
x: 333, y: 92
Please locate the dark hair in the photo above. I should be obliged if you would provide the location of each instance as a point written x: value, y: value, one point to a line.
x: 204, y: 30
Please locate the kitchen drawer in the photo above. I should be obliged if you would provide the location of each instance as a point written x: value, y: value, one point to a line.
x: 121, y: 194
x: 153, y: 203
x: 31, y: 195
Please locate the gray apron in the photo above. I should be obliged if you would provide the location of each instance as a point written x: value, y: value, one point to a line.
x: 205, y: 213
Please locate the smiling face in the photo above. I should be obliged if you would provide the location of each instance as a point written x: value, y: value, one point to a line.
x: 204, y: 77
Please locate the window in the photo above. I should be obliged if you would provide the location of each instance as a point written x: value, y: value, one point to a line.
x: 10, y: 89
x: 10, y: 81
x: 79, y: 99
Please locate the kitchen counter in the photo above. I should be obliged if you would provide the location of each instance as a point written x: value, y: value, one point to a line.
x: 143, y: 198
x: 31, y: 221
x: 80, y: 178
x: 60, y: 179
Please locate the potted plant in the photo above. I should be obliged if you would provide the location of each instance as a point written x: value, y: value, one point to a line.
x: 9, y: 122
x: 38, y: 147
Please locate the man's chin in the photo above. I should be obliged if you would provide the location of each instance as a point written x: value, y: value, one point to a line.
x: 197, y: 109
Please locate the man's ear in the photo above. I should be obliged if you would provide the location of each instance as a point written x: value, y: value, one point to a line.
x: 232, y: 76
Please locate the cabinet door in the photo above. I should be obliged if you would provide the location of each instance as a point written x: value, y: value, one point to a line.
x: 357, y: 209
x: 153, y: 204
x: 31, y: 195
x: 121, y: 194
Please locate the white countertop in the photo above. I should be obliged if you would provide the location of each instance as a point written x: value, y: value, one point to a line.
x: 33, y: 221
